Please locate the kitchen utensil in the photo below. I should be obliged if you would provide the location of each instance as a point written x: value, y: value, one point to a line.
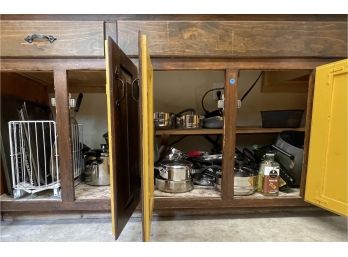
x: 202, y: 179
x: 217, y: 184
x: 174, y: 186
x: 245, y: 180
x: 97, y: 171
x: 164, y: 120
x: 214, y: 122
x: 289, y: 153
x: 174, y: 154
x: 188, y: 119
x: 177, y: 170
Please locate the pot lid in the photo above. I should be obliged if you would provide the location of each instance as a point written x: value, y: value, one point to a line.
x: 176, y: 163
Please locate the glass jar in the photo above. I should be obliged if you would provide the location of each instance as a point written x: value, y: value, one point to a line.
x: 268, y: 178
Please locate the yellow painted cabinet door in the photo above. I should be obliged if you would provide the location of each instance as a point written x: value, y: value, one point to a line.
x: 327, y: 174
x: 147, y: 135
x: 123, y: 135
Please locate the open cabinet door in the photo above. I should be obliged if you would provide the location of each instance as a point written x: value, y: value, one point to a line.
x: 122, y: 93
x: 327, y: 174
x: 147, y: 135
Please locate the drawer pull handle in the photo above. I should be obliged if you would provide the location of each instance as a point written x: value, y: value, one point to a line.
x: 31, y: 38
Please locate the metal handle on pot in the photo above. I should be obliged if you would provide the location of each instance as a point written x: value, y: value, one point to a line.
x: 284, y: 152
x: 162, y: 170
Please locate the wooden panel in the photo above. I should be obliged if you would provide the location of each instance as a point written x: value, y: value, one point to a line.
x: 247, y: 130
x: 189, y: 132
x: 123, y: 131
x: 147, y: 136
x: 285, y: 81
x: 229, y: 140
x: 64, y: 136
x: 19, y: 87
x: 327, y: 174
x: 79, y: 38
x: 308, y: 119
x: 182, y: 17
x: 236, y: 38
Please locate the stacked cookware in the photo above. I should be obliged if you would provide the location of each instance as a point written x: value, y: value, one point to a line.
x: 174, y: 173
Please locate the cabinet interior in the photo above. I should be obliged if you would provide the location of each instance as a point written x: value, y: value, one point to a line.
x: 173, y: 92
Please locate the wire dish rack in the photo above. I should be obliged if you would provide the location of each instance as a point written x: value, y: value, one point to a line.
x: 77, y: 138
x: 34, y: 158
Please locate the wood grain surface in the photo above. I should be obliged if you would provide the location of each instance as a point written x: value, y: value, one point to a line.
x: 236, y: 38
x: 78, y: 38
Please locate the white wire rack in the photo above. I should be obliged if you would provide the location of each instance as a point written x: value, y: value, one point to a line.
x: 77, y: 139
x: 34, y: 157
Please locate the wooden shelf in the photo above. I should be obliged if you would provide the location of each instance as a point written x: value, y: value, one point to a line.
x: 249, y: 130
x: 240, y: 130
x: 189, y: 132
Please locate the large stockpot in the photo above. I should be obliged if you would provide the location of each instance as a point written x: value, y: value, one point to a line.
x: 289, y: 153
x: 176, y: 170
x: 164, y: 120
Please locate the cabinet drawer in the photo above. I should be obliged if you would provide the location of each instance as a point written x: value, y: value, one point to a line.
x: 73, y: 38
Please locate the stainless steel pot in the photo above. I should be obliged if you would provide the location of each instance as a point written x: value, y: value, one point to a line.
x: 245, y: 180
x: 189, y: 121
x: 164, y: 120
x: 174, y: 186
x: 97, y: 172
x: 177, y: 170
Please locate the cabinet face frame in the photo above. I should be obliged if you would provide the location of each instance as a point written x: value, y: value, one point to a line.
x: 64, y: 65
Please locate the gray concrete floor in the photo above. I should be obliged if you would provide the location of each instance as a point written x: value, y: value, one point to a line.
x: 275, y: 226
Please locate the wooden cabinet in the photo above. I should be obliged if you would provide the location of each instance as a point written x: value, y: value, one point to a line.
x: 52, y: 38
x: 130, y: 97
x: 236, y: 38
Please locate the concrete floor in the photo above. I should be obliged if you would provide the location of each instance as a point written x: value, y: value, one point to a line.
x: 275, y: 226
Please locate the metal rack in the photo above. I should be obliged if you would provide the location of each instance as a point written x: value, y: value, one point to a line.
x: 34, y: 157
x: 77, y: 138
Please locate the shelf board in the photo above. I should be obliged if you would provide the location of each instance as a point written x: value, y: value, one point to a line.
x: 249, y: 130
x: 189, y: 132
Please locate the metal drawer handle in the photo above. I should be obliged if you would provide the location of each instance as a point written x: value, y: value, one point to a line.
x: 31, y: 38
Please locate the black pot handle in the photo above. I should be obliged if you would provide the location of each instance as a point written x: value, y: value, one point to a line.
x: 30, y: 38
x: 284, y: 152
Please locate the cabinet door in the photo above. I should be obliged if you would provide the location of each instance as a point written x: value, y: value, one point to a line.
x: 123, y: 132
x: 147, y: 135
x: 327, y: 175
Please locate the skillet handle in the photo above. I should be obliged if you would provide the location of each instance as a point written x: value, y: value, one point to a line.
x: 283, y: 152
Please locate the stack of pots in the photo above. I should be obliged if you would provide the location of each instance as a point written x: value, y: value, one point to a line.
x: 174, y: 173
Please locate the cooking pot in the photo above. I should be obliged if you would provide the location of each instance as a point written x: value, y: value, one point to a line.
x: 174, y: 186
x: 177, y: 170
x: 245, y: 181
x: 164, y: 120
x: 289, y: 153
x: 188, y: 119
x: 214, y: 122
x: 97, y: 171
